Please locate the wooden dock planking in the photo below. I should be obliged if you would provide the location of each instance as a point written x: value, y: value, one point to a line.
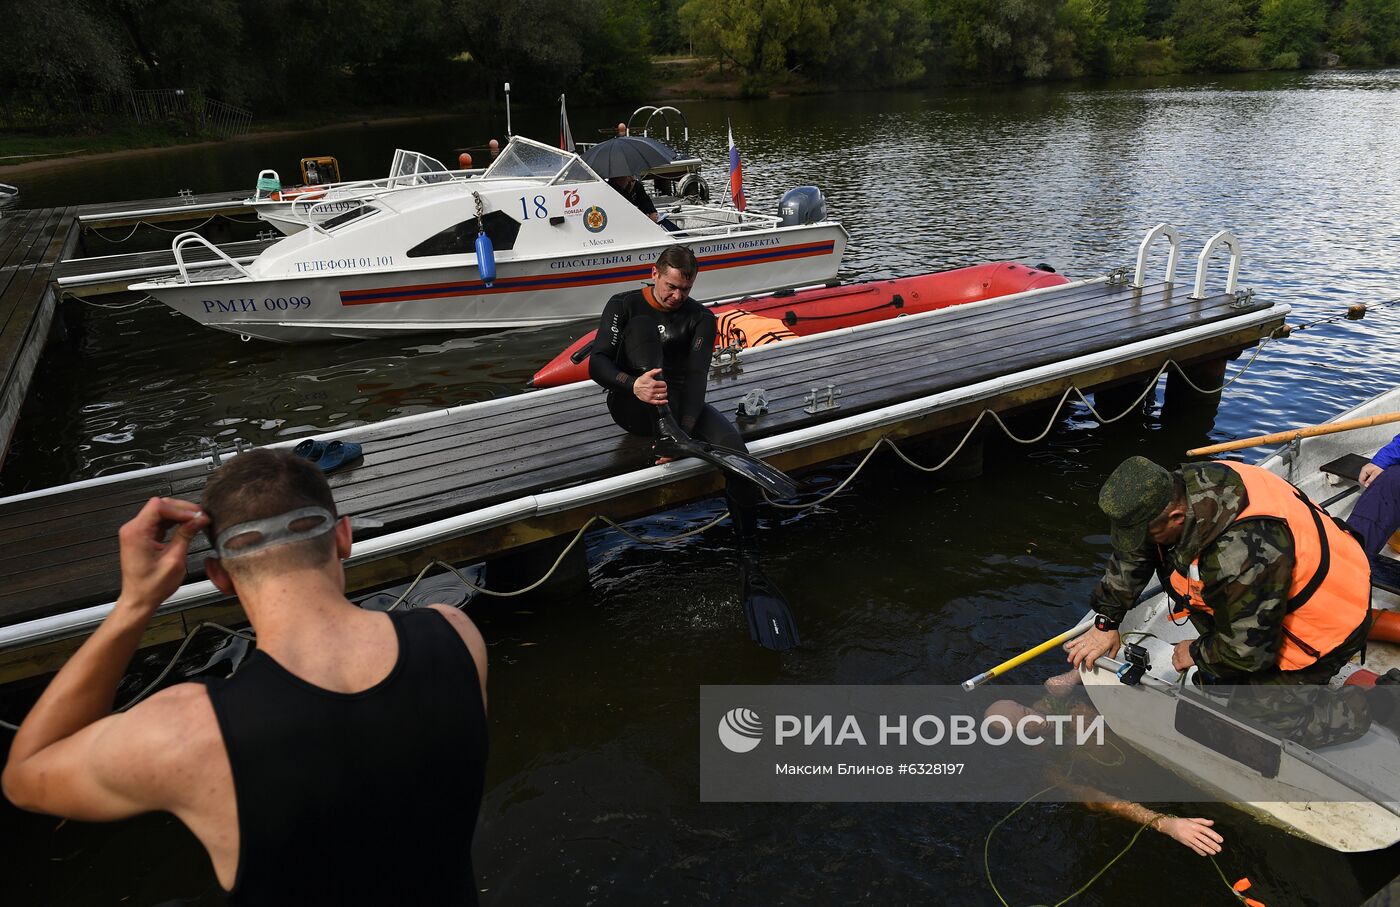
x: 44, y: 657
x: 103, y: 215
x: 507, y: 448
x: 413, y: 477
x: 30, y: 243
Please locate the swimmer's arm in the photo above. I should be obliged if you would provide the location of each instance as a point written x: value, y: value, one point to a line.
x: 116, y: 766
x: 476, y: 644
x: 66, y: 740
x: 602, y: 361
x: 1194, y: 833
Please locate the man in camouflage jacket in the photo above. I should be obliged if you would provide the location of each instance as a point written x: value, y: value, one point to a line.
x: 1246, y: 571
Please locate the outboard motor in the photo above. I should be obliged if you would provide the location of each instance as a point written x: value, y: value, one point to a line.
x: 802, y: 205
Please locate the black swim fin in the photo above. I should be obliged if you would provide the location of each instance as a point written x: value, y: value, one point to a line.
x: 770, y: 619
x: 672, y: 441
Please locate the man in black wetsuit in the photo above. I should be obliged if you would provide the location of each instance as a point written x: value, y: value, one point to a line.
x: 343, y: 726
x: 652, y: 354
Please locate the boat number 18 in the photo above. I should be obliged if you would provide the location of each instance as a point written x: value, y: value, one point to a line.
x: 540, y: 210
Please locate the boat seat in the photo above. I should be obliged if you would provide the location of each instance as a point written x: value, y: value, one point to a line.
x: 1385, y: 574
x: 1347, y: 466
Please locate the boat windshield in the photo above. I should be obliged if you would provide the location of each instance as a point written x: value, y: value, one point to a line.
x: 410, y: 168
x: 526, y: 159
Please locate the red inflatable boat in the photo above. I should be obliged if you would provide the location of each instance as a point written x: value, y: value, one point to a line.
x: 760, y: 320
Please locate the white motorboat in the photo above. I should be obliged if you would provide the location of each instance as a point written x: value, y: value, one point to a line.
x: 293, y: 210
x: 8, y: 195
x: 1346, y: 797
x: 561, y: 242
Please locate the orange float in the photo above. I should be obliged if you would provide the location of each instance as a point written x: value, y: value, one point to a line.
x: 774, y: 317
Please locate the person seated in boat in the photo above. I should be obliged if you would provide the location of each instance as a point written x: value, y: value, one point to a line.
x: 343, y: 723
x: 1194, y: 833
x: 1278, y: 591
x: 632, y: 189
x: 1376, y: 516
x: 652, y: 355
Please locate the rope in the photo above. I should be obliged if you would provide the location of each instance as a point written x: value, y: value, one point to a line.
x: 144, y: 223
x: 645, y: 540
x: 1149, y: 387
x: 114, y: 306
x: 1122, y: 758
x: 1347, y: 315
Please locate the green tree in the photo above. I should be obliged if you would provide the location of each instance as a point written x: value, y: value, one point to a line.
x: 1211, y: 35
x: 761, y: 38
x: 878, y: 43
x: 1290, y: 31
x: 996, y: 39
x: 1367, y: 32
x: 619, y: 42
x: 54, y: 53
x: 172, y: 42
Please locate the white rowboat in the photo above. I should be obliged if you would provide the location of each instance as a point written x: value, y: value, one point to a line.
x: 1346, y: 797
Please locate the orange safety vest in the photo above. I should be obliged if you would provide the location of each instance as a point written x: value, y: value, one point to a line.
x: 1330, y: 592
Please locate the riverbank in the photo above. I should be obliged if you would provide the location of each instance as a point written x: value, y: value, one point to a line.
x: 82, y: 155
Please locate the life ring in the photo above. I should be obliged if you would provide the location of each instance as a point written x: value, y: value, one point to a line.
x: 693, y: 185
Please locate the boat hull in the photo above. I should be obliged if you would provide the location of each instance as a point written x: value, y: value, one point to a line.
x: 362, y: 298
x: 817, y: 309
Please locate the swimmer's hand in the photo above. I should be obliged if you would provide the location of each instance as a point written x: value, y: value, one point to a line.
x: 1196, y: 834
x: 153, y: 567
x: 650, y: 387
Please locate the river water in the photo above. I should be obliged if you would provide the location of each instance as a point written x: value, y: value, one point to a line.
x: 592, y: 791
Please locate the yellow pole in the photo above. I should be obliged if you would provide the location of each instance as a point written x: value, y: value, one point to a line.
x: 975, y: 682
x: 1307, y: 431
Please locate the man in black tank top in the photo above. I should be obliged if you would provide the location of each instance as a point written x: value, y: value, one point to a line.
x: 345, y: 726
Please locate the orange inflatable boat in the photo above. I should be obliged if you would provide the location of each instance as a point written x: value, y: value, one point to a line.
x: 774, y: 317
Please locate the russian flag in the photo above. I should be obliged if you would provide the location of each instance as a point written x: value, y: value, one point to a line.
x: 566, y: 135
x: 736, y: 175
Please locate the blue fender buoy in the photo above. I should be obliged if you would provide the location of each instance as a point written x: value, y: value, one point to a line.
x: 485, y: 259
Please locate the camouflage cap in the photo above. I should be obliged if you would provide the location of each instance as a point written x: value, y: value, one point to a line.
x: 1135, y: 494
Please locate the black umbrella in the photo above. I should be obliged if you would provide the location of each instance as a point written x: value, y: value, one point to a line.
x: 627, y: 155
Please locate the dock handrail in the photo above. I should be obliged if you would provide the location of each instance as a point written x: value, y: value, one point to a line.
x: 1223, y: 238
x: 665, y: 114
x: 1174, y: 243
x: 184, y: 239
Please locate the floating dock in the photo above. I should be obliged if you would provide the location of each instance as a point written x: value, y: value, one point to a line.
x: 31, y: 242
x: 469, y: 482
x: 37, y: 267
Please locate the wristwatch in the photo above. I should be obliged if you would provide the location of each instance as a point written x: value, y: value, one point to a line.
x: 1105, y: 623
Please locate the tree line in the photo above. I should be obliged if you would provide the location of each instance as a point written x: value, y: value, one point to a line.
x: 280, y: 56
x: 887, y: 43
